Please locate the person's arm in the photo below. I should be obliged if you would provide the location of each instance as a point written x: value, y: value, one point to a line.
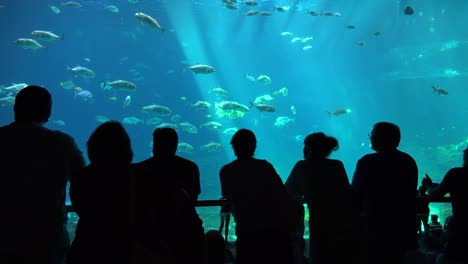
x: 443, y: 188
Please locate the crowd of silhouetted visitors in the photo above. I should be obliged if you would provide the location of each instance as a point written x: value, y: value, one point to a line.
x: 145, y: 212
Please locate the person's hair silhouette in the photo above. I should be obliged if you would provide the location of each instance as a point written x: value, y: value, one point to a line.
x: 165, y: 141
x: 385, y: 135
x: 110, y: 143
x: 33, y: 104
x: 244, y: 143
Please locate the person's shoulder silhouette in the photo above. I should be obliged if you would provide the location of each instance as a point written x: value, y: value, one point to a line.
x: 36, y: 164
x: 170, y: 168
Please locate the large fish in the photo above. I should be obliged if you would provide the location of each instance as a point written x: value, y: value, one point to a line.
x: 82, y: 72
x: 149, y: 21
x: 46, y: 35
x: 156, y: 110
x: 201, y: 69
x: 119, y: 85
x: 27, y: 43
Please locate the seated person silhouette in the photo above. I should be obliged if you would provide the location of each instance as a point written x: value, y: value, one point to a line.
x: 101, y: 196
x: 455, y: 183
x: 36, y: 164
x: 264, y: 212
x: 333, y: 222
x: 378, y: 176
x: 168, y: 166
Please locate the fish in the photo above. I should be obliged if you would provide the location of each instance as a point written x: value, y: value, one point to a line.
x: 350, y: 27
x: 82, y: 72
x: 149, y: 21
x: 46, y: 35
x: 15, y: 87
x: 408, y: 11
x: 219, y: 92
x: 127, y: 101
x: 281, y: 8
x: 185, y: 147
x: 264, y: 79
x: 212, y: 147
x: 200, y: 105
x: 119, y: 85
x: 27, y: 43
x: 212, y: 125
x: 307, y: 47
x: 132, y: 120
x: 85, y: 95
x: 250, y: 3
x: 72, y: 4
x: 338, y: 112
x: 361, y: 43
x: 188, y: 127
x: 232, y: 106
x: 313, y: 13
x: 265, y: 13
x: 55, y: 9
x: 201, y: 69
x: 101, y: 119
x: 231, y: 6
x: 306, y: 39
x: 439, y: 90
x: 7, y: 101
x: 112, y: 9
x: 296, y: 39
x: 250, y: 78
x: 156, y: 110
x: 263, y: 99
x: 252, y: 13
x: 286, y: 33
x: 230, y: 131
x: 263, y: 107
x: 377, y: 33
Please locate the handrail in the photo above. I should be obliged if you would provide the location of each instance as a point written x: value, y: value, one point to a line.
x: 221, y: 202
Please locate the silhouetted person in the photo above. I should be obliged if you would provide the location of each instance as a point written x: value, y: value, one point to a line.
x: 215, y: 248
x: 102, y: 198
x: 167, y: 189
x: 455, y: 183
x: 264, y: 212
x: 422, y: 209
x: 333, y: 221
x: 225, y: 219
x: 174, y: 169
x: 36, y: 164
x: 385, y: 183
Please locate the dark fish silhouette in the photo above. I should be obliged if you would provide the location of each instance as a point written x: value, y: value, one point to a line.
x: 408, y: 10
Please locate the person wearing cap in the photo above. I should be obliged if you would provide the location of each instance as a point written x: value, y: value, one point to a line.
x: 455, y: 183
x: 36, y: 164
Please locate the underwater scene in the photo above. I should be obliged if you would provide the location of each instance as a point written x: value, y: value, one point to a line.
x: 283, y: 69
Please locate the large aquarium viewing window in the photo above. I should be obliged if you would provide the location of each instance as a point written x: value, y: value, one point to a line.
x: 283, y: 69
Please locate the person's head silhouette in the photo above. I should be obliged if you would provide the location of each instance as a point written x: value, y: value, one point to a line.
x: 110, y: 144
x: 319, y: 145
x: 244, y: 143
x: 165, y: 141
x: 385, y: 136
x: 33, y: 104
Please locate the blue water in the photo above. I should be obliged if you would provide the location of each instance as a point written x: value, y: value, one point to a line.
x: 388, y: 78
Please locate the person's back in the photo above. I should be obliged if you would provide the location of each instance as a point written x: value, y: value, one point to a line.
x: 36, y: 164
x: 169, y: 167
x: 385, y: 183
x: 455, y: 183
x: 264, y: 213
x: 102, y: 198
x: 324, y: 185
